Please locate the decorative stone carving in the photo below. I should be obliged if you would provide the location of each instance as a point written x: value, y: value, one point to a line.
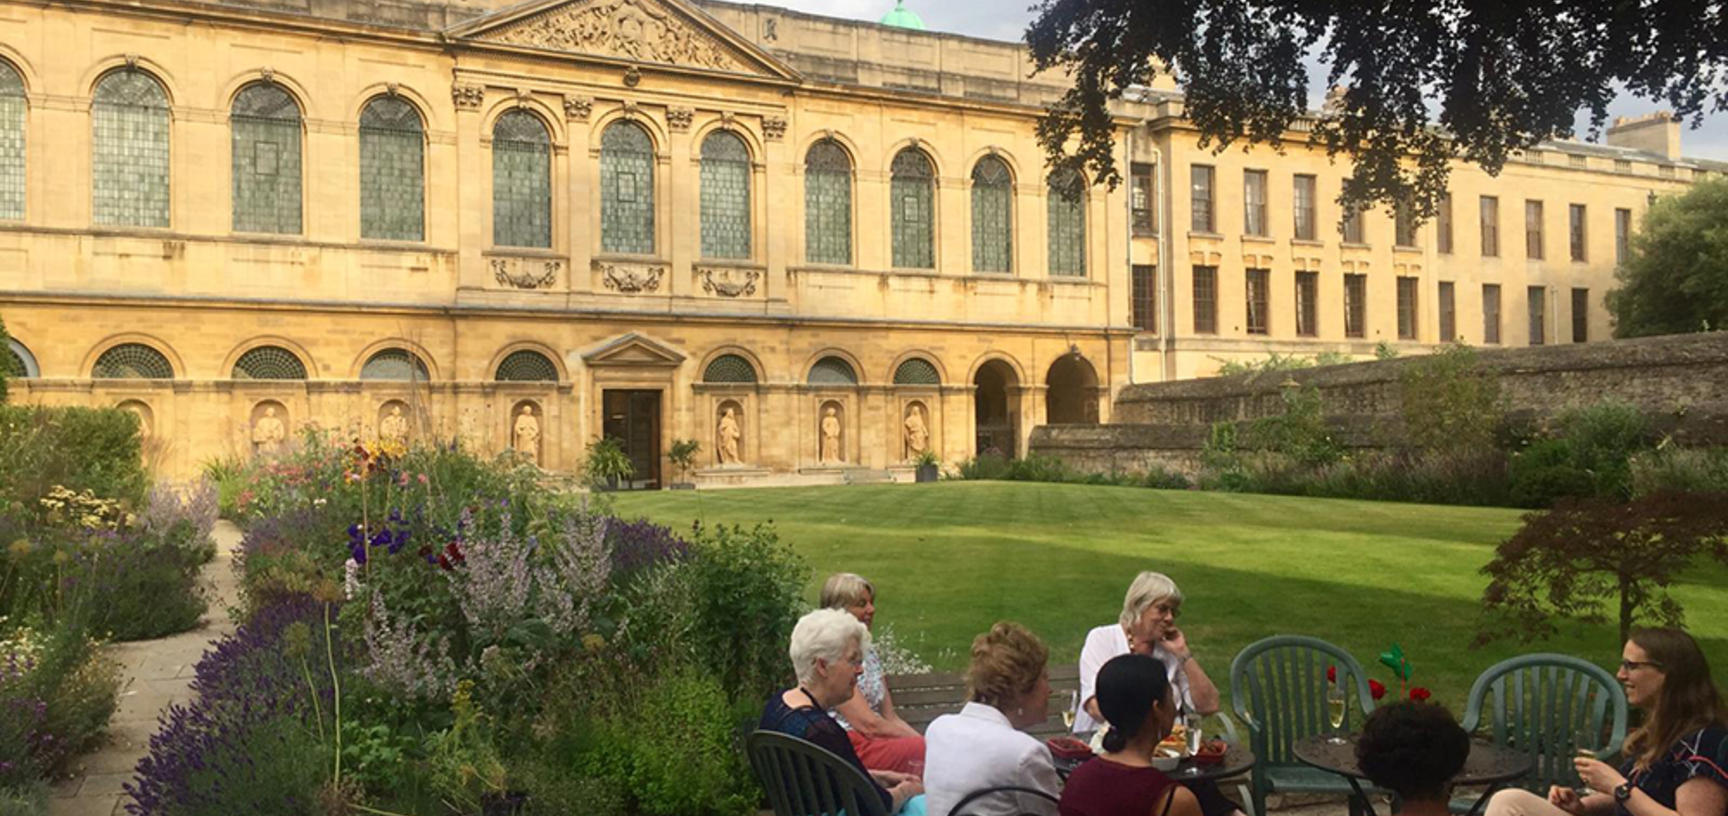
x: 268, y: 431
x: 830, y: 450
x: 630, y: 109
x: 640, y: 30
x: 393, y: 425
x: 726, y: 281
x: 728, y: 120
x: 467, y: 95
x: 728, y: 436
x: 916, y: 430
x: 770, y: 29
x: 578, y: 107
x: 525, y: 435
x: 632, y: 77
x: 630, y: 278
x: 679, y: 119
x: 773, y: 128
x: 526, y: 273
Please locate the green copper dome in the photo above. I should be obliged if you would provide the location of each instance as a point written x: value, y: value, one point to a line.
x: 902, y: 17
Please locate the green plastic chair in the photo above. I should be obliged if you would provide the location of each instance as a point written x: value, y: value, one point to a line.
x: 1548, y: 706
x: 804, y: 779
x: 1278, y: 689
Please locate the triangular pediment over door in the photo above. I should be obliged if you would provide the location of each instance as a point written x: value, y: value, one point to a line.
x: 666, y: 32
x: 633, y: 350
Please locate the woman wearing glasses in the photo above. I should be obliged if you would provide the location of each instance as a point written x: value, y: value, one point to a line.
x: 1674, y: 764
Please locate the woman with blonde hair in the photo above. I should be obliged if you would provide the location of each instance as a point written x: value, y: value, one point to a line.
x: 881, y: 738
x: 985, y: 745
x: 1674, y: 764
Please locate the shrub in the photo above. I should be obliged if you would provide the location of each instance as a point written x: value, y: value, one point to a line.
x: 1675, y: 469
x: 1161, y: 478
x: 142, y: 584
x: 1300, y: 432
x: 94, y: 449
x: 986, y: 466
x: 1450, y: 401
x: 57, y: 692
x: 747, y: 587
x: 1590, y: 457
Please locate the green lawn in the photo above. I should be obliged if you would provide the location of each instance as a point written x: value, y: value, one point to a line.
x: 949, y: 558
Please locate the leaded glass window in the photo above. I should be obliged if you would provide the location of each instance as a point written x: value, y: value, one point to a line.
x: 17, y: 361
x: 992, y: 212
x: 1067, y: 203
x: 729, y: 368
x: 12, y: 109
x: 913, y: 191
x: 269, y: 363
x: 521, y: 181
x: 132, y: 361
x: 832, y: 371
x: 266, y: 126
x: 129, y: 150
x: 626, y: 189
x: 725, y: 196
x: 827, y: 204
x: 917, y: 371
x: 526, y: 366
x: 394, y: 364
x: 392, y: 171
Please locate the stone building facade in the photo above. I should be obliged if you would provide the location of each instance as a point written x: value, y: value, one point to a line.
x: 810, y: 244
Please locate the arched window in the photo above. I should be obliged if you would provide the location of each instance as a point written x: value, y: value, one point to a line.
x: 914, y: 197
x: 269, y: 363
x: 725, y: 196
x: 626, y: 189
x: 521, y: 181
x: 992, y: 216
x: 129, y: 150
x: 394, y: 364
x: 1067, y: 202
x: 526, y: 366
x: 729, y: 368
x: 132, y: 361
x: 17, y: 361
x: 13, y: 107
x: 266, y: 126
x: 917, y: 371
x: 392, y: 171
x: 827, y: 204
x: 832, y: 371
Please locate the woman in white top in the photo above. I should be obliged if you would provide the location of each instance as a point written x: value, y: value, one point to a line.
x: 983, y: 746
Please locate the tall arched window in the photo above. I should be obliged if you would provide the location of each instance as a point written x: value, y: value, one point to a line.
x: 12, y: 110
x: 521, y: 181
x: 129, y: 150
x: 725, y: 196
x: 914, y: 195
x: 992, y: 215
x: 129, y: 361
x: 392, y: 171
x: 1067, y: 202
x: 266, y: 126
x: 526, y: 366
x: 626, y: 189
x: 827, y: 204
x: 268, y: 363
x: 395, y: 364
x: 729, y: 368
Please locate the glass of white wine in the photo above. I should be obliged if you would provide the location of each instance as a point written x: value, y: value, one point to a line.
x: 1335, y: 712
x: 1072, y: 710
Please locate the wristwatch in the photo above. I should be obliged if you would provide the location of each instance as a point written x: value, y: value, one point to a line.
x: 1623, y: 791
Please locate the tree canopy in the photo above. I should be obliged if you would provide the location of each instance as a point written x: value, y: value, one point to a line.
x: 1675, y: 278
x: 1425, y: 82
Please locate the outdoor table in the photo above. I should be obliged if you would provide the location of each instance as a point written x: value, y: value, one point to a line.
x: 1490, y: 765
x: 1237, y: 759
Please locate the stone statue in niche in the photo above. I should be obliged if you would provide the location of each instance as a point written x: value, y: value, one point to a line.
x: 726, y: 437
x: 141, y: 411
x: 525, y: 437
x: 395, y: 426
x: 268, y: 431
x: 917, y: 432
x: 830, y: 450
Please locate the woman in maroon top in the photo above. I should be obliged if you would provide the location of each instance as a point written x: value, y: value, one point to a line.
x: 1133, y: 693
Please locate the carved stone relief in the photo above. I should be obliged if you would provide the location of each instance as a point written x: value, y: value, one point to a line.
x: 393, y: 421
x: 640, y: 30
x: 269, y: 427
x: 773, y: 128
x: 678, y: 119
x: 630, y: 278
x: 578, y: 107
x: 526, y: 273
x: 467, y: 95
x: 726, y: 281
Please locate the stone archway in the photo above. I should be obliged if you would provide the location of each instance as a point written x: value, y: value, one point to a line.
x: 1071, y: 396
x: 995, y: 413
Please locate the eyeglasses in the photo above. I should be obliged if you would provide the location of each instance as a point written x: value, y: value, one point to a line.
x: 1630, y: 666
x: 1170, y: 611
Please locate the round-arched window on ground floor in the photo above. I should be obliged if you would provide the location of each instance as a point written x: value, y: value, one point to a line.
x: 395, y: 364
x: 729, y: 368
x: 527, y: 366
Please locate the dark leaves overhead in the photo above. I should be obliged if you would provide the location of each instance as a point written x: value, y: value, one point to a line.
x: 1427, y: 80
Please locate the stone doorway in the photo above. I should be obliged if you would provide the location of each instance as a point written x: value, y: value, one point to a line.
x: 993, y: 413
x: 632, y: 416
x: 1072, y: 397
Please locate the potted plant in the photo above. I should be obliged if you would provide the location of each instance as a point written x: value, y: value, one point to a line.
x: 929, y: 467
x: 607, y: 463
x: 683, y: 454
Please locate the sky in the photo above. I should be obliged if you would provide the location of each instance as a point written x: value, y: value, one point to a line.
x: 1007, y: 20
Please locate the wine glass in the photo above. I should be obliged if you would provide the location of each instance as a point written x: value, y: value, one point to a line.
x: 1073, y: 709
x: 1335, y: 712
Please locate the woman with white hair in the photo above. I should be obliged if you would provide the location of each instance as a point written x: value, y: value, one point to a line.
x: 883, y: 740
x: 828, y: 655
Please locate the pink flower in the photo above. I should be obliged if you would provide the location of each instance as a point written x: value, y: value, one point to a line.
x: 423, y: 479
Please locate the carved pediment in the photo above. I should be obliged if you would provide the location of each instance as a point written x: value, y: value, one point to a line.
x: 633, y: 350
x: 669, y: 32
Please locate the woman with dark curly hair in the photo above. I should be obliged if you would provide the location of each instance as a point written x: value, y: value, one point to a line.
x: 1414, y: 749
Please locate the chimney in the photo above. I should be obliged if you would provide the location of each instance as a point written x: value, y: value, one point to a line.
x: 1657, y: 133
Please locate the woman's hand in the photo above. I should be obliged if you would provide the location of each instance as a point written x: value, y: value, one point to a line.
x: 1565, y: 799
x: 1598, y: 775
x: 1175, y: 642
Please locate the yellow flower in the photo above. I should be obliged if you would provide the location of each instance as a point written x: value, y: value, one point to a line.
x: 19, y: 548
x: 593, y: 642
x: 61, y: 557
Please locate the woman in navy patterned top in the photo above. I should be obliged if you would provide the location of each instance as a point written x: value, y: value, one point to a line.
x: 1674, y: 764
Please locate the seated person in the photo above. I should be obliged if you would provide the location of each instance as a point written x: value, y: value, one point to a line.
x: 985, y: 746
x: 1414, y: 749
x: 827, y: 654
x: 1133, y: 694
x: 883, y: 740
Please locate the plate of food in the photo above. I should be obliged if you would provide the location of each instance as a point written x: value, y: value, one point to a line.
x: 1211, y: 752
x: 1068, y: 748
